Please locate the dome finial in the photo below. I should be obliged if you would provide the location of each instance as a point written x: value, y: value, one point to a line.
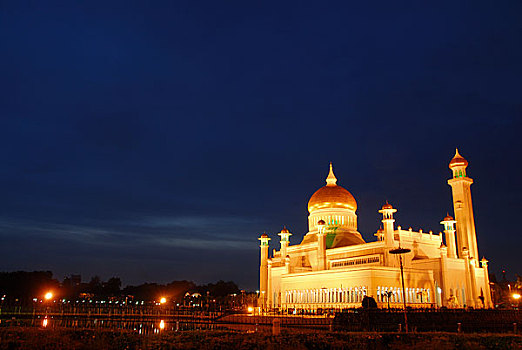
x: 331, y: 180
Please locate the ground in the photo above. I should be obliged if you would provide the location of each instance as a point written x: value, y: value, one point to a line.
x: 33, y: 338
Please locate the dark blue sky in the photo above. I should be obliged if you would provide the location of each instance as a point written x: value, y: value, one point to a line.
x: 156, y: 140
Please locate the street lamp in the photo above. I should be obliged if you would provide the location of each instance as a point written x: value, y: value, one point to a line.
x: 163, y: 300
x: 399, y: 251
x: 48, y: 296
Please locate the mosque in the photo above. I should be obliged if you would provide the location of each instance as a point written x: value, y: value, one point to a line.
x: 334, y: 268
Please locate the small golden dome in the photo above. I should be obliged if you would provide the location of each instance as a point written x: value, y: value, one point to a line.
x: 332, y: 196
x: 387, y: 206
x: 264, y: 235
x: 285, y: 230
x: 448, y: 218
x: 458, y: 160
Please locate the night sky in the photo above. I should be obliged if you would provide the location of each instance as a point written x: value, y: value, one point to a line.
x: 155, y: 141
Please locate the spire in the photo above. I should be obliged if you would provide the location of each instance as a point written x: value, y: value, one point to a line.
x: 331, y: 180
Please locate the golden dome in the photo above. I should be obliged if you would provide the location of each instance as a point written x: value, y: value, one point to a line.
x: 458, y: 160
x: 448, y: 218
x: 387, y: 206
x: 332, y: 196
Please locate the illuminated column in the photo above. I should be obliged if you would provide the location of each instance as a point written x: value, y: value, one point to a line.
x: 462, y: 204
x: 473, y: 279
x: 487, y: 288
x: 444, y: 274
x: 449, y: 231
x: 269, y: 285
x: 321, y: 245
x: 285, y: 241
x: 263, y: 270
x: 388, y: 220
x: 470, y: 301
x: 287, y: 264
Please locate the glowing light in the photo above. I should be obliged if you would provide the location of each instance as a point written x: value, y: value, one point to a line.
x: 44, y: 322
x: 162, y: 324
x: 48, y: 296
x: 163, y: 300
x: 516, y: 296
x: 250, y: 309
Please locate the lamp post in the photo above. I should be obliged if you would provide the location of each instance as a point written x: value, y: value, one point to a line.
x: 399, y: 251
x: 516, y: 297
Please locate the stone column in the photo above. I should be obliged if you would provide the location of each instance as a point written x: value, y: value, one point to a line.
x: 444, y: 275
x: 469, y: 294
x: 487, y: 287
x: 321, y: 245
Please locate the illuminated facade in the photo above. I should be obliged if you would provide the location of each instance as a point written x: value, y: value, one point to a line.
x: 333, y: 267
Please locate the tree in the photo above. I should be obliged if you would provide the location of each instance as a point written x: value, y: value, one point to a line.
x: 112, y: 286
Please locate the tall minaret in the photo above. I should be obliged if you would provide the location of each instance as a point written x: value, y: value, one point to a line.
x: 388, y: 220
x: 462, y: 205
x: 285, y: 240
x: 449, y: 230
x: 263, y: 271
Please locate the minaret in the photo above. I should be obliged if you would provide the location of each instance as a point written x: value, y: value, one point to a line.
x: 388, y: 220
x: 263, y: 271
x: 463, y: 208
x: 321, y: 245
x: 449, y: 231
x: 285, y: 241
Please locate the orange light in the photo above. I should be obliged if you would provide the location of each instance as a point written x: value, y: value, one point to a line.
x: 162, y: 324
x: 163, y: 300
x: 516, y: 296
x: 44, y: 322
x: 250, y: 309
x: 48, y: 296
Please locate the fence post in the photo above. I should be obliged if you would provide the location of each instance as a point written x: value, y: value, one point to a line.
x: 400, y: 327
x: 515, y: 328
x: 276, y: 326
x: 459, y: 328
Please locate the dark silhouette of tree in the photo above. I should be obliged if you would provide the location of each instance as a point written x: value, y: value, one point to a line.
x: 95, y: 286
x: 24, y: 286
x: 112, y: 287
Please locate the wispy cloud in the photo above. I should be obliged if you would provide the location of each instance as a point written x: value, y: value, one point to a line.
x: 204, y: 232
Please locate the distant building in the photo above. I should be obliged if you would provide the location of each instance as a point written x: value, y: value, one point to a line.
x: 333, y: 267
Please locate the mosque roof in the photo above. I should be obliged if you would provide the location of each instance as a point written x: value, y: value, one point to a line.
x: 332, y: 196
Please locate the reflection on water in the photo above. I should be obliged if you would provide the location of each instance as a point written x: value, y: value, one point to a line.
x: 142, y: 326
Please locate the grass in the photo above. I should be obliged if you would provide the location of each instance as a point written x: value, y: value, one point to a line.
x: 23, y: 338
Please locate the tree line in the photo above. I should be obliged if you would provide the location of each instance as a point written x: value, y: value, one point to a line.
x: 24, y: 286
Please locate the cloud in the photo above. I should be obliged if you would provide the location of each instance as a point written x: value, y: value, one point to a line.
x: 192, y: 232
